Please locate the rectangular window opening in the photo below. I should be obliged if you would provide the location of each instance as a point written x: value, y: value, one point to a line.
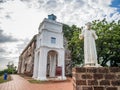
x: 53, y: 40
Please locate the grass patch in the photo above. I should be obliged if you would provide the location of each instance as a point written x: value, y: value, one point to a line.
x: 47, y: 82
x: 31, y: 80
x: 37, y: 81
x: 2, y: 79
x: 25, y: 76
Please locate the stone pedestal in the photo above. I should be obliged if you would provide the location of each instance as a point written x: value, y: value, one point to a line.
x: 92, y: 78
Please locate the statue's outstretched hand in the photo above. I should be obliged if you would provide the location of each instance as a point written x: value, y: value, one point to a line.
x: 80, y: 36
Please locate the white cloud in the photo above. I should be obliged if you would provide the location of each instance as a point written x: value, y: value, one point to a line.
x: 21, y: 18
x: 24, y: 21
x: 68, y: 11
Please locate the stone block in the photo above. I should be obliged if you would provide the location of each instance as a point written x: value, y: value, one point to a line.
x: 105, y: 82
x: 87, y: 88
x: 92, y: 82
x: 81, y: 82
x: 98, y: 76
x: 78, y: 88
x: 103, y: 70
x: 118, y: 76
x: 91, y: 70
x: 99, y: 88
x: 114, y: 69
x: 110, y: 76
x: 86, y: 76
x: 115, y: 82
x: 112, y: 88
x: 80, y: 70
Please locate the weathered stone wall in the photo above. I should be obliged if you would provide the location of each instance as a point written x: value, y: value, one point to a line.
x: 101, y: 78
x: 26, y: 59
x: 68, y: 61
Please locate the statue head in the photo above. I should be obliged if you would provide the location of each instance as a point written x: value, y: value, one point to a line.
x: 89, y: 24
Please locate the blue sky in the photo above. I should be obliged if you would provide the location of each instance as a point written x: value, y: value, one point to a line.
x: 20, y: 19
x: 116, y: 3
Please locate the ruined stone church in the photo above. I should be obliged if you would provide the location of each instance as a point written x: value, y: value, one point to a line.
x: 46, y: 55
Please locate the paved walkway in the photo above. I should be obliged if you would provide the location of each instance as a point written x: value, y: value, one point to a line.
x: 19, y: 83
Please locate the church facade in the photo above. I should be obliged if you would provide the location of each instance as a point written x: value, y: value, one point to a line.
x: 44, y: 57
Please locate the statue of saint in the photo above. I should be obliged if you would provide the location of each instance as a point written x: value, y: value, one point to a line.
x: 90, y: 54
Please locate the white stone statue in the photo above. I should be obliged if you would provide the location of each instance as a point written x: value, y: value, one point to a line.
x: 90, y: 54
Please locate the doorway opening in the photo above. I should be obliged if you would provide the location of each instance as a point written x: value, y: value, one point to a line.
x: 52, y: 63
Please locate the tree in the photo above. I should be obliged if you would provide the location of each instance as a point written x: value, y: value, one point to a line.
x: 11, y: 68
x: 74, y: 44
x: 108, y: 43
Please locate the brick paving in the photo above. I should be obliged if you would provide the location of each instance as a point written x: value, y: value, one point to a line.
x: 19, y: 83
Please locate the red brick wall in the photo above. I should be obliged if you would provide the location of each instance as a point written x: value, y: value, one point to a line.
x: 91, y: 78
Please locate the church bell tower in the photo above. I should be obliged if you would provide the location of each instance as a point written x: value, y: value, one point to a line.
x: 49, y: 52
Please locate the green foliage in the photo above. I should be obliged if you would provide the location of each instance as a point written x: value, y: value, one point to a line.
x: 1, y: 73
x: 74, y: 44
x: 108, y: 43
x: 10, y: 70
